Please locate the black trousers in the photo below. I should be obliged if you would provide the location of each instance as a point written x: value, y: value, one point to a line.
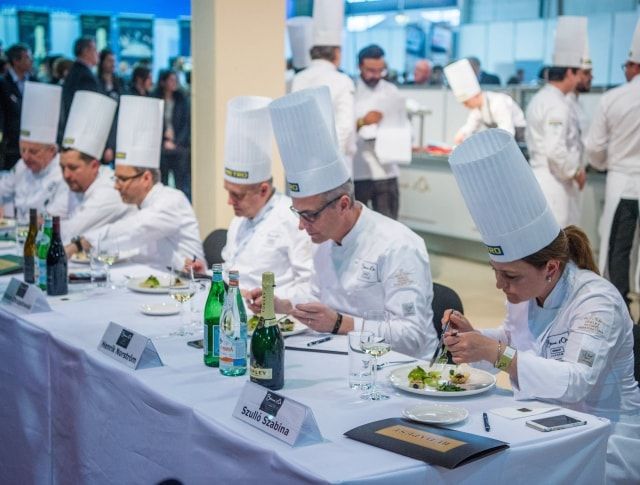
x: 177, y: 161
x: 383, y: 194
x: 625, y: 221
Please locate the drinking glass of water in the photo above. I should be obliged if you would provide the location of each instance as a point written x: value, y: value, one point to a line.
x: 375, y: 340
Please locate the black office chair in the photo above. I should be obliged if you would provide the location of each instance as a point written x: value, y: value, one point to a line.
x: 443, y: 299
x: 213, y: 245
x: 636, y: 352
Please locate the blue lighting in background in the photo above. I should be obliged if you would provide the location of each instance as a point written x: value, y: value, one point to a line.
x: 160, y: 9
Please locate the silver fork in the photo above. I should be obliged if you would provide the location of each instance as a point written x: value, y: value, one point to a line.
x: 395, y: 362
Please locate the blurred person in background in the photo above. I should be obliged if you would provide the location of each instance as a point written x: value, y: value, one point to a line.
x: 61, y: 68
x: 483, y: 76
x: 112, y: 86
x: 422, y: 72
x: 141, y: 81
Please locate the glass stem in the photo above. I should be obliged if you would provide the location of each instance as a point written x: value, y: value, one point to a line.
x: 375, y: 375
x: 108, y: 271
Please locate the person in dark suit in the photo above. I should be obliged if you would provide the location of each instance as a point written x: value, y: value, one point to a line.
x: 112, y: 86
x: 141, y: 81
x: 483, y: 76
x: 11, y: 89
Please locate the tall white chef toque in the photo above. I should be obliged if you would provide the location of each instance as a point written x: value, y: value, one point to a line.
x: 570, y: 40
x: 503, y: 196
x: 462, y: 80
x: 247, y: 146
x: 328, y: 22
x: 139, y: 131
x: 300, y: 30
x: 634, y: 51
x: 586, y: 54
x: 305, y: 131
x: 89, y: 123
x: 40, y: 112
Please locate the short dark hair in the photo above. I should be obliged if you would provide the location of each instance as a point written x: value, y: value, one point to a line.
x: 556, y: 73
x: 81, y: 44
x: 155, y: 173
x: 372, y: 51
x: 16, y: 51
x: 326, y: 52
x: 140, y: 72
x: 83, y: 156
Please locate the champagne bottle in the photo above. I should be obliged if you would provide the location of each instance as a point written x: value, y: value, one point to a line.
x: 267, y: 345
x: 43, y: 250
x: 212, y: 311
x: 29, y: 252
x: 57, y: 283
x: 233, y: 331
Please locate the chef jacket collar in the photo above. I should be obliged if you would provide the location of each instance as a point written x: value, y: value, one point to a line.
x: 153, y: 193
x: 359, y: 227
x: 557, y: 297
x: 262, y: 213
x: 323, y: 63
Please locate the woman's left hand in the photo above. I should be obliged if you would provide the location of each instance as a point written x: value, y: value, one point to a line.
x: 470, y: 347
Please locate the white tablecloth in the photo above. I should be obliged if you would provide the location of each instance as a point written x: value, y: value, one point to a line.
x: 70, y: 414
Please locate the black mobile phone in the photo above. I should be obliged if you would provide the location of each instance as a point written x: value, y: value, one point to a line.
x: 553, y: 423
x: 197, y: 344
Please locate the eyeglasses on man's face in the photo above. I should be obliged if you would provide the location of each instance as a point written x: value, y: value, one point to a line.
x: 312, y: 216
x: 121, y: 179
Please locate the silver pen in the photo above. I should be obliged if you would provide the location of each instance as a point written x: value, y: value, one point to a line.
x: 319, y: 341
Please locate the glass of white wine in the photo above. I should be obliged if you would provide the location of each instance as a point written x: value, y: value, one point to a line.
x: 375, y: 341
x: 182, y: 289
x: 107, y: 252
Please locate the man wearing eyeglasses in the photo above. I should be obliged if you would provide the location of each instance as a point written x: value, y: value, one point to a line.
x: 364, y: 260
x: 613, y: 144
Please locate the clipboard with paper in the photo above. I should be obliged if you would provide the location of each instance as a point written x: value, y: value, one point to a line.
x: 393, y: 137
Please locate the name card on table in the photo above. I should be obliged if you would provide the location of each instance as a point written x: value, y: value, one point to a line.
x: 27, y: 297
x: 129, y: 348
x: 279, y: 416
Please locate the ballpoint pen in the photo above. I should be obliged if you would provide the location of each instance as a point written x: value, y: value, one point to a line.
x: 485, y: 418
x: 319, y: 341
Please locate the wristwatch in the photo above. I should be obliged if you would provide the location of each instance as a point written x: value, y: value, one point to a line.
x: 338, y: 324
x: 505, y: 359
x: 77, y: 241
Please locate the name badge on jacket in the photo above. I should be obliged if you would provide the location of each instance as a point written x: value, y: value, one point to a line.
x: 555, y: 344
x: 368, y: 272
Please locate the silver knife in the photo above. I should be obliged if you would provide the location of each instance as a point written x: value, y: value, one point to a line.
x: 440, y: 348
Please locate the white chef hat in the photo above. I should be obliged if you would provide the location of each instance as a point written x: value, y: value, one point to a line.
x: 503, y: 196
x: 328, y: 22
x: 300, y: 31
x: 586, y: 55
x: 306, y: 135
x: 89, y: 123
x: 247, y: 147
x: 462, y: 80
x: 634, y: 51
x: 139, y: 131
x: 571, y: 37
x: 40, y: 112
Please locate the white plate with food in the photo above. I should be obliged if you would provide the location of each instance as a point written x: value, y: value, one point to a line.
x: 288, y: 325
x: 156, y: 284
x: 434, y: 413
x: 442, y: 380
x: 80, y: 258
x: 160, y: 309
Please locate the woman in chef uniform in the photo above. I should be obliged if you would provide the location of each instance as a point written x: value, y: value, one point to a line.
x: 567, y: 337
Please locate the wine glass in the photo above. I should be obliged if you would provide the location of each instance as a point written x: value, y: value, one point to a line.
x: 22, y: 227
x: 182, y: 289
x: 375, y: 340
x: 107, y: 252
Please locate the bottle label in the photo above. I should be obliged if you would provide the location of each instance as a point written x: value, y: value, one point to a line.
x: 57, y: 279
x: 260, y: 373
x: 216, y: 340
x: 206, y: 339
x: 29, y: 269
x: 42, y: 273
x: 233, y: 353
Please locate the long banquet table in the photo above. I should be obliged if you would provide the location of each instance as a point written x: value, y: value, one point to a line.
x: 70, y: 414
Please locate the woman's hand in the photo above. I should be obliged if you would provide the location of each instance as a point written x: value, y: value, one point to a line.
x: 470, y: 347
x: 458, y: 321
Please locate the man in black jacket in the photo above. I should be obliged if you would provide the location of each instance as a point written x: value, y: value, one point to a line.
x: 483, y: 76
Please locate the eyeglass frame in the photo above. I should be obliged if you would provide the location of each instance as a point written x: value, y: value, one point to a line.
x: 125, y: 179
x: 313, y: 216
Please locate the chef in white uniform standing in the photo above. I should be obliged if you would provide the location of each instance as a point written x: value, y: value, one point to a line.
x: 93, y: 201
x: 364, y: 260
x: 488, y: 109
x: 567, y: 337
x: 164, y: 230
x: 613, y: 143
x: 263, y: 235
x: 300, y: 34
x: 555, y: 162
x: 328, y: 20
x: 36, y: 181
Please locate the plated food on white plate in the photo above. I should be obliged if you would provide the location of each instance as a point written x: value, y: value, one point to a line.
x: 153, y: 284
x: 442, y: 380
x: 288, y: 325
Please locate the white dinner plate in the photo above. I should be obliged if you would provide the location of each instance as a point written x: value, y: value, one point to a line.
x: 160, y: 309
x: 435, y: 413
x: 479, y: 381
x: 134, y: 285
x: 298, y: 326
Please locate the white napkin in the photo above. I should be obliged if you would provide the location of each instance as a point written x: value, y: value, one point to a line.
x: 524, y: 411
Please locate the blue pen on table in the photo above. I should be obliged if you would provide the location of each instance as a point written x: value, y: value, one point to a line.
x: 485, y: 418
x: 319, y: 341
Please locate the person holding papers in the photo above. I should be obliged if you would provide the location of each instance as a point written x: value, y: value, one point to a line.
x: 164, y: 230
x: 567, y: 337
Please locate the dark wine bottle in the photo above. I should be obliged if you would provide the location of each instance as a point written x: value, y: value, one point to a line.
x: 30, y: 248
x: 57, y: 283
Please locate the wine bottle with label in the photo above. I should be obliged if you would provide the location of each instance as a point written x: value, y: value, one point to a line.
x: 29, y: 252
x: 212, y: 311
x: 267, y: 344
x: 57, y: 283
x: 43, y: 250
x: 233, y: 331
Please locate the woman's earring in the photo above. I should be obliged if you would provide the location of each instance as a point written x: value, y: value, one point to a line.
x: 548, y: 279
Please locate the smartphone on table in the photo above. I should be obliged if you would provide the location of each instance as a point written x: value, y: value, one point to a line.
x: 553, y: 423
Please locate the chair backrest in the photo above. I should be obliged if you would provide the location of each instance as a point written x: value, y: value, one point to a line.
x: 213, y: 245
x: 443, y: 299
x: 636, y: 352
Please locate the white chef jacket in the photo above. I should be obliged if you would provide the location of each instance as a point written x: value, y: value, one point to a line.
x: 366, y: 165
x: 100, y: 204
x: 321, y: 72
x: 46, y: 190
x: 577, y: 352
x: 271, y: 241
x: 164, y: 231
x: 553, y: 160
x: 380, y: 265
x: 498, y: 110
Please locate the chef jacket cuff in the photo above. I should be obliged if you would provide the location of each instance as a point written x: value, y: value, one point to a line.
x: 540, y: 378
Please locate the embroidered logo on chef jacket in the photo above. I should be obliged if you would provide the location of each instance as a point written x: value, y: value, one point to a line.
x: 592, y: 325
x: 368, y: 272
x: 555, y: 344
x: 402, y: 278
x: 586, y: 357
x: 408, y: 309
x: 272, y: 238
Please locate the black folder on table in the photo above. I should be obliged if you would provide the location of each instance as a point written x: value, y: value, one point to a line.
x: 10, y: 264
x: 434, y: 445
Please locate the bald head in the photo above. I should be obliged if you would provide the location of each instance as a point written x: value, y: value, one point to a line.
x: 422, y: 71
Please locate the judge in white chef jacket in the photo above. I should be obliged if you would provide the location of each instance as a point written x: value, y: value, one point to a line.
x: 613, y: 143
x: 164, y: 230
x: 328, y: 20
x: 364, y: 260
x: 300, y: 34
x: 567, y: 336
x: 93, y: 200
x: 36, y: 180
x: 555, y: 161
x: 488, y: 109
x: 263, y: 235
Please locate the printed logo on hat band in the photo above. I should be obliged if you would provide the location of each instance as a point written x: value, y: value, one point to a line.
x: 294, y: 187
x: 25, y: 132
x: 239, y: 174
x: 68, y: 141
x: 121, y: 155
x: 495, y: 250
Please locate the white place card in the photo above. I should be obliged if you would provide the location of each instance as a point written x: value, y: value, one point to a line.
x: 26, y: 297
x: 129, y: 348
x: 281, y: 417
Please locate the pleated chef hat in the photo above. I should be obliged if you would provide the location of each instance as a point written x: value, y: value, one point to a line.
x: 328, y: 22
x: 139, y: 131
x: 586, y: 55
x: 634, y: 51
x: 40, y: 112
x: 306, y: 135
x: 571, y: 37
x: 462, y: 80
x: 247, y: 147
x: 300, y: 31
x: 503, y: 196
x: 89, y: 123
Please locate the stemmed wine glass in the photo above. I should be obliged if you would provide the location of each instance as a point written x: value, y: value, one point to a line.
x: 182, y: 289
x: 375, y: 340
x: 107, y: 252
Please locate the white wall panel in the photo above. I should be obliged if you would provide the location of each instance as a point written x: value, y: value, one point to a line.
x: 473, y: 41
x: 166, y: 42
x: 500, y: 50
x: 623, y: 26
x: 527, y: 40
x: 64, y: 30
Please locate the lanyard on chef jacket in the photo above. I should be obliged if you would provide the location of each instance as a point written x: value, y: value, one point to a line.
x: 253, y: 224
